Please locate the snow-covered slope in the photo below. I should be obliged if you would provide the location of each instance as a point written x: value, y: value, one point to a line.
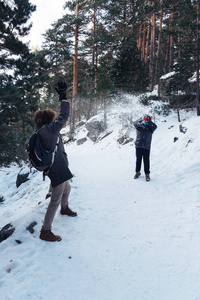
x: 132, y: 239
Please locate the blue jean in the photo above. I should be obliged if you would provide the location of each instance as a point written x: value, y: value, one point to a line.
x: 143, y: 154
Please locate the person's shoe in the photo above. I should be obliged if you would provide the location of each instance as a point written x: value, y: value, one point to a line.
x: 48, y: 236
x: 147, y: 177
x: 137, y: 174
x: 67, y: 211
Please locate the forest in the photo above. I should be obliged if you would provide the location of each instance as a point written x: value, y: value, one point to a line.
x: 99, y: 48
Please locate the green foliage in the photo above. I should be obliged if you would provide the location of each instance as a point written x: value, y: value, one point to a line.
x: 128, y: 72
x: 13, y: 17
x: 180, y: 90
x: 159, y: 107
x: 12, y: 142
x: 144, y: 100
x: 18, y: 91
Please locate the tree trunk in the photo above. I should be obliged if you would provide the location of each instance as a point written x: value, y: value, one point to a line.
x: 105, y: 110
x: 144, y: 41
x: 167, y: 55
x: 160, y: 28
x: 171, y: 49
x: 93, y: 81
x: 75, y: 72
x: 124, y: 18
x: 139, y: 42
x: 133, y: 11
x: 179, y: 36
x: 157, y: 75
x: 147, y: 44
x: 94, y: 54
x: 152, y: 49
x: 75, y: 75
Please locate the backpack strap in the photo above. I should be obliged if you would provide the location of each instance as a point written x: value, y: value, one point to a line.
x: 54, y: 152
x: 53, y: 156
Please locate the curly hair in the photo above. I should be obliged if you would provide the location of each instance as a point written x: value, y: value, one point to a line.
x: 42, y: 117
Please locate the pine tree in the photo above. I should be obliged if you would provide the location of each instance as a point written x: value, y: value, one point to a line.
x: 185, y: 54
x: 128, y: 71
x: 17, y: 95
x: 13, y: 18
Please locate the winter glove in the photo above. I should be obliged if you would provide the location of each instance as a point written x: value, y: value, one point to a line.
x: 62, y: 90
x: 144, y: 123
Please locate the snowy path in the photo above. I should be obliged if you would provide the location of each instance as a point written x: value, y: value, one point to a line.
x: 146, y: 236
x: 132, y: 239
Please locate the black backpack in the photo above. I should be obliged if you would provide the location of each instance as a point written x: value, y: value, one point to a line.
x: 40, y: 158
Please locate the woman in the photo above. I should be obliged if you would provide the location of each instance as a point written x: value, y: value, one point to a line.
x: 59, y: 173
x: 145, y: 127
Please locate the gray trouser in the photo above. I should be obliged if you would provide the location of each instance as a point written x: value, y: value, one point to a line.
x: 59, y: 195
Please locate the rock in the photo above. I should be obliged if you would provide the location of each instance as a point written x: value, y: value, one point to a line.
x: 22, y: 176
x: 80, y: 123
x: 95, y: 127
x: 175, y: 139
x: 92, y: 136
x: 182, y: 129
x: 120, y: 140
x: 81, y: 141
x: 189, y: 141
x: 163, y: 85
x: 18, y: 241
x: 128, y: 141
x: 124, y: 140
x: 6, y: 231
x: 30, y: 227
x: 105, y: 135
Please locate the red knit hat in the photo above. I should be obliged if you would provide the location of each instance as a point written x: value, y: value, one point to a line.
x: 146, y: 119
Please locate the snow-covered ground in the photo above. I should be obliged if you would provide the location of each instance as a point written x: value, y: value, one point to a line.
x: 132, y: 239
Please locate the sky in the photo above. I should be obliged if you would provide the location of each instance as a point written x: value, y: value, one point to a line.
x: 47, y: 12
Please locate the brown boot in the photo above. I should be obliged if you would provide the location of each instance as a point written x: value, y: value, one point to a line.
x: 67, y: 211
x: 147, y: 177
x: 47, y: 235
x: 137, y: 174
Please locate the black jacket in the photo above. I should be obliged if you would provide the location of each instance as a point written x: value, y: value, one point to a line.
x: 144, y: 134
x: 48, y: 134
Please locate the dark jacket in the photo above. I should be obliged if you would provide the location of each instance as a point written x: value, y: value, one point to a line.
x: 144, y: 134
x: 48, y: 134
